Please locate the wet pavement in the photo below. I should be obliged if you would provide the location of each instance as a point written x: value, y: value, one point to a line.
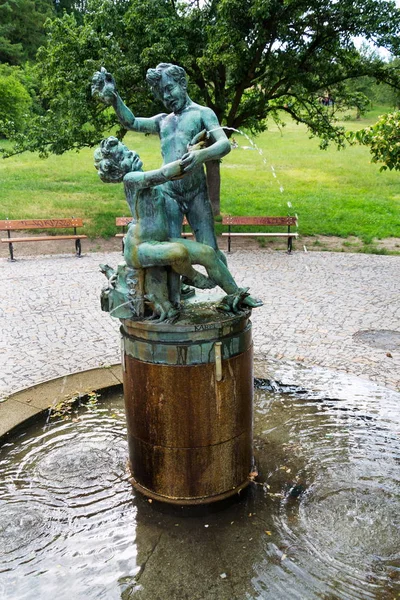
x: 314, y: 305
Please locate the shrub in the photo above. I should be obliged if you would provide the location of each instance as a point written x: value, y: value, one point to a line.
x: 383, y: 138
x: 15, y: 102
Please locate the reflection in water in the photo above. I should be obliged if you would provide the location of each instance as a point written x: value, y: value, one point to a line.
x: 321, y: 523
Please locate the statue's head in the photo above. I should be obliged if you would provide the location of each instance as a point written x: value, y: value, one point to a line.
x: 168, y: 84
x: 114, y: 160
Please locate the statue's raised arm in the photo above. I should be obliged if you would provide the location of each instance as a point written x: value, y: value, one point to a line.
x: 105, y: 89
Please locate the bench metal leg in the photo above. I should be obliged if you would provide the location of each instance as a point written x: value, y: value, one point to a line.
x: 123, y: 240
x: 10, y: 248
x: 289, y: 241
x: 78, y: 248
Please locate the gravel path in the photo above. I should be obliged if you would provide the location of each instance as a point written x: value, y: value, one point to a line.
x: 51, y: 323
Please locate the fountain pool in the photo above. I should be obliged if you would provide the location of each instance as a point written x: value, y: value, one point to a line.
x: 322, y: 520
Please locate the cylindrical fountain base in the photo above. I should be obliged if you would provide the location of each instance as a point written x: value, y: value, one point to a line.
x: 188, y: 391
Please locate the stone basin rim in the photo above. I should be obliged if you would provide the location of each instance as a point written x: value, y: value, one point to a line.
x: 27, y: 404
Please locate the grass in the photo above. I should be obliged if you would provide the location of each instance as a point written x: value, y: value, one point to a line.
x: 333, y: 192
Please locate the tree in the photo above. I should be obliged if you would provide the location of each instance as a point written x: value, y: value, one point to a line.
x: 77, y: 7
x: 246, y: 59
x: 22, y: 28
x: 370, y: 91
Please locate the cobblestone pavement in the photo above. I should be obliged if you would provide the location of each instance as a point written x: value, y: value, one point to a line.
x: 51, y: 323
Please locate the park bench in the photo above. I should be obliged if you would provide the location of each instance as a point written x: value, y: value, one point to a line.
x: 288, y: 222
x: 25, y: 224
x: 124, y: 222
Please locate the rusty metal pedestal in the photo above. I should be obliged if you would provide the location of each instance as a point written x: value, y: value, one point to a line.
x: 188, y: 390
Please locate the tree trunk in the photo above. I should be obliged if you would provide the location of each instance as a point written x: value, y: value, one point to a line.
x: 214, y: 185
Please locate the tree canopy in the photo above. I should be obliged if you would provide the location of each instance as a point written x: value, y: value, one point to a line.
x: 247, y: 59
x: 15, y: 100
x: 21, y: 28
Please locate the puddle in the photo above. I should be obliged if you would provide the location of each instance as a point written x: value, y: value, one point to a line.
x: 321, y: 523
x: 385, y: 339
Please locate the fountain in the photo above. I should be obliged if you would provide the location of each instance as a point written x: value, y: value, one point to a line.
x: 319, y: 522
x: 187, y: 361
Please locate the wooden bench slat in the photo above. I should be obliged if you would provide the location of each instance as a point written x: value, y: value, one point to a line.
x: 261, y: 233
x: 231, y: 220
x: 123, y: 221
x: 286, y: 221
x: 44, y: 238
x: 184, y: 234
x: 11, y: 225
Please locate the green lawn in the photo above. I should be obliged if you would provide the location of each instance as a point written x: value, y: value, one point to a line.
x: 333, y: 193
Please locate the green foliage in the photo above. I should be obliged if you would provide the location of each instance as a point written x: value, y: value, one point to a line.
x: 249, y: 60
x: 383, y: 139
x: 26, y: 75
x: 77, y: 7
x: 68, y: 406
x: 21, y: 28
x: 377, y: 92
x: 15, y: 102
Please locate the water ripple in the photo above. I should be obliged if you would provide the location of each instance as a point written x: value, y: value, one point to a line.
x: 322, y: 522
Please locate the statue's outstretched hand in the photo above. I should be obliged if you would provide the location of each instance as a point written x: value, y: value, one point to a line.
x: 103, y: 86
x: 191, y: 160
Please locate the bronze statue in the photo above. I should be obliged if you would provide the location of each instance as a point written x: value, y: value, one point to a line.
x: 148, y: 244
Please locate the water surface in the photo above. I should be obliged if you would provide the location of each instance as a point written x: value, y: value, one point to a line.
x: 322, y: 521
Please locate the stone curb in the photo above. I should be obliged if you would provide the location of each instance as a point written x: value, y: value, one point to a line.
x: 27, y: 404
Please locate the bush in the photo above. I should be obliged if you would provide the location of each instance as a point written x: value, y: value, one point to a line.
x: 15, y: 102
x: 383, y: 138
